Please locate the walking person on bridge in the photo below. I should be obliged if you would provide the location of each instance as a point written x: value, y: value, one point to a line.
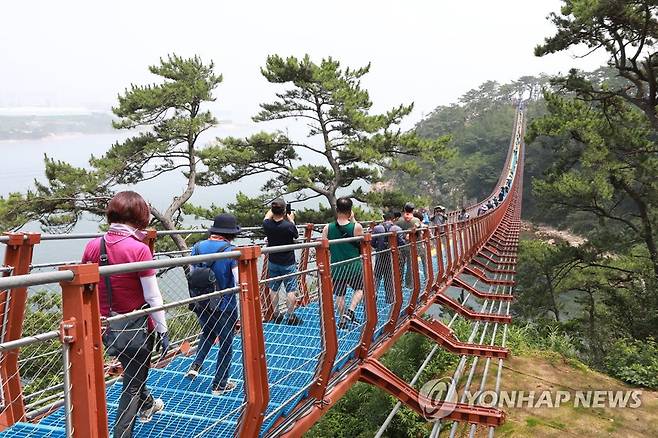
x: 128, y: 214
x: 440, y: 217
x: 218, y: 315
x: 348, y: 274
x: 279, y: 227
x: 383, y: 268
x: 463, y: 215
x: 407, y: 222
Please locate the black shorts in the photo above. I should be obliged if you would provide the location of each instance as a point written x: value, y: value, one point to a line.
x: 341, y: 285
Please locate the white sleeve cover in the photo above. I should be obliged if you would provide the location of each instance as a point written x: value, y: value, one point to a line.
x: 236, y: 276
x: 153, y: 297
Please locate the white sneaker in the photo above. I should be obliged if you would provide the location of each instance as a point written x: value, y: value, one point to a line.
x: 230, y: 386
x: 147, y: 414
x: 193, y: 372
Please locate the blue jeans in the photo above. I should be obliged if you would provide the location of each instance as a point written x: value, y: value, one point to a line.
x: 276, y: 270
x: 218, y: 324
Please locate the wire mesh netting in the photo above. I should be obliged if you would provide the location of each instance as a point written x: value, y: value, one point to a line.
x: 406, y: 272
x: 421, y: 248
x: 347, y: 277
x: 293, y: 337
x: 382, y: 262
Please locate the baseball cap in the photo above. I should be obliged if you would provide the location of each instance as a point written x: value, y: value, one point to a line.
x: 279, y: 202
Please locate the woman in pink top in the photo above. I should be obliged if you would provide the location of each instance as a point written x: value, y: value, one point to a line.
x: 128, y: 214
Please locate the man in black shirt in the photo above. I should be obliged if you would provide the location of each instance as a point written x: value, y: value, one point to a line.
x: 280, y: 230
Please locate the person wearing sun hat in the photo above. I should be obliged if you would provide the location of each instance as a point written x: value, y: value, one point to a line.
x: 218, y: 316
x: 440, y: 216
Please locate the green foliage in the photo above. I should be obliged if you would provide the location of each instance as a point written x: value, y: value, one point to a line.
x: 248, y: 211
x: 391, y: 200
x: 41, y: 363
x: 348, y: 143
x: 170, y: 117
x: 544, y: 275
x: 363, y: 409
x: 530, y: 337
x: 479, y: 127
x: 634, y: 361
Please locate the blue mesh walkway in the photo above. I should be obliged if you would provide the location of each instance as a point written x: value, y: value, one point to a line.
x: 292, y: 354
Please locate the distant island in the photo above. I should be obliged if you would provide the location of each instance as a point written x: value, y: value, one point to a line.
x: 21, y: 127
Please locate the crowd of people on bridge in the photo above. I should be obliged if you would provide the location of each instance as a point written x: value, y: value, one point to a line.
x: 128, y: 215
x: 217, y: 314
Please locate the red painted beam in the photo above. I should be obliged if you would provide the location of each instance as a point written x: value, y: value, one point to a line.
x: 480, y: 275
x: 486, y: 256
x: 440, y: 333
x: 492, y: 270
x: 374, y: 373
x: 458, y: 282
x: 446, y: 301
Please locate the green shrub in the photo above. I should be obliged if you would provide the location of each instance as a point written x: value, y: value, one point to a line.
x: 634, y: 361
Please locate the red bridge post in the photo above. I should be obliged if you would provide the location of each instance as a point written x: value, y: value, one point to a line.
x: 256, y: 388
x: 303, y: 265
x: 18, y: 255
x: 415, y: 273
x: 369, y: 298
x: 429, y: 267
x: 328, y: 320
x: 397, y: 283
x: 81, y: 330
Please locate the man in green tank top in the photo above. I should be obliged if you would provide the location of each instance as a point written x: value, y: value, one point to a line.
x: 346, y: 265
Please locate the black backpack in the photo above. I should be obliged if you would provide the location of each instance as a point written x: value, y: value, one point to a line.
x: 201, y: 281
x: 381, y: 243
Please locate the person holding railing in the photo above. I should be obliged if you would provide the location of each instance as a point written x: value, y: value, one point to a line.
x: 218, y: 315
x: 383, y: 267
x: 279, y: 227
x: 349, y: 274
x: 128, y: 214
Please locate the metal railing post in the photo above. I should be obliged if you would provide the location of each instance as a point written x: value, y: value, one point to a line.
x: 13, y: 303
x: 328, y: 323
x: 81, y: 331
x: 369, y: 298
x: 415, y: 272
x: 397, y: 283
x: 303, y: 264
x: 429, y: 268
x: 256, y: 387
x: 439, y: 256
x: 446, y: 233
x: 264, y: 290
x: 151, y: 237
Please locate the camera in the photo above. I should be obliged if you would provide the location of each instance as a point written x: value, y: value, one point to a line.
x: 289, y: 209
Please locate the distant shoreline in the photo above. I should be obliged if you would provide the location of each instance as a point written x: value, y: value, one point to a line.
x: 54, y: 136
x: 39, y: 127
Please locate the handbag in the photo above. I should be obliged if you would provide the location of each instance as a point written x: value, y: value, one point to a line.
x: 128, y: 335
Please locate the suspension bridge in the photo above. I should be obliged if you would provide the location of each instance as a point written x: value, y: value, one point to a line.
x: 56, y: 380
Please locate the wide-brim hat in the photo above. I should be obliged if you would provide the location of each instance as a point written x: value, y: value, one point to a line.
x: 225, y: 223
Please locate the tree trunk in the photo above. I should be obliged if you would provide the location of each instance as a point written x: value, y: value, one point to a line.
x: 647, y: 226
x: 331, y: 198
x: 551, y: 290
x: 169, y: 224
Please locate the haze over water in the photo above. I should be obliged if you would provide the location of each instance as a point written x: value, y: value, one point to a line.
x: 24, y: 164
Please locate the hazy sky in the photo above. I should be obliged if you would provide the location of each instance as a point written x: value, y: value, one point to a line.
x: 81, y: 53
